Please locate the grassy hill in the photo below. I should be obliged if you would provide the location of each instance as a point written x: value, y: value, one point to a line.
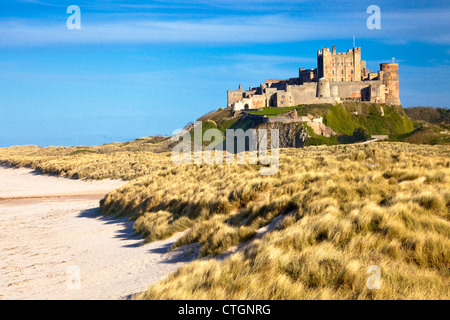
x: 346, y: 119
x: 425, y: 133
x: 429, y: 114
x: 431, y: 126
x: 375, y: 119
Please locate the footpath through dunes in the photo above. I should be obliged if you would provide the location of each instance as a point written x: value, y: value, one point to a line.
x: 53, y: 235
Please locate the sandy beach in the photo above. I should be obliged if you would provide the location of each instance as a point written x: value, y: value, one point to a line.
x: 55, y: 244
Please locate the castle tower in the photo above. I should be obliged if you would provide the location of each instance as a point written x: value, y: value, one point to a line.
x: 323, y: 88
x: 357, y: 64
x: 323, y: 63
x: 390, y: 80
x: 339, y: 66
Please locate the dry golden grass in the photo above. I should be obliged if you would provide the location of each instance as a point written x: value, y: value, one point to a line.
x: 354, y: 206
x: 112, y: 161
x: 385, y: 204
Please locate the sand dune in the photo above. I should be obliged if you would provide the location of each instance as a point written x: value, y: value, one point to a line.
x: 55, y: 245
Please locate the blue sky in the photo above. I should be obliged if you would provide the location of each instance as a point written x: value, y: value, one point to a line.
x: 140, y: 68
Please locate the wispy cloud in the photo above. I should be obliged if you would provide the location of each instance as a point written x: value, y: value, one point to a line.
x: 401, y: 26
x: 275, y: 59
x: 43, y: 3
x: 254, y: 29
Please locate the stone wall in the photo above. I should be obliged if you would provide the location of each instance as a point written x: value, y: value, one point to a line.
x: 302, y: 93
x: 234, y: 96
x: 321, y: 129
x: 358, y: 90
x: 307, y: 93
x: 289, y: 118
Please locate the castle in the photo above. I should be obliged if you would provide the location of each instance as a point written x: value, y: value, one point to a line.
x: 338, y: 76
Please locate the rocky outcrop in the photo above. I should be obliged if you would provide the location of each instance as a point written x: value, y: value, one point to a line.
x: 292, y: 135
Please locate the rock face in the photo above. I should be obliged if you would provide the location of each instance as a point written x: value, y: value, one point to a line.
x: 320, y: 129
x: 292, y: 135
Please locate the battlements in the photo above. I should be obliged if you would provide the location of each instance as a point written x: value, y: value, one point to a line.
x: 333, y: 51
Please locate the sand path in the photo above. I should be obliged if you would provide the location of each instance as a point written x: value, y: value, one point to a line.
x: 55, y: 245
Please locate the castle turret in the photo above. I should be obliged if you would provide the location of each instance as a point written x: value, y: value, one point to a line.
x: 390, y: 80
x: 323, y: 88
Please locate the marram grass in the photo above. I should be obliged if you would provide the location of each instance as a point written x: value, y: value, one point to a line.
x: 345, y: 208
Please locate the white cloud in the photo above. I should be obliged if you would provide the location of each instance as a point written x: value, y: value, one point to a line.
x: 238, y: 29
x: 273, y: 59
x: 429, y: 26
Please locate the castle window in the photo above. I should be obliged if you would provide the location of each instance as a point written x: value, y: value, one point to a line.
x: 342, y: 71
x: 351, y: 71
x: 332, y: 72
x: 342, y: 79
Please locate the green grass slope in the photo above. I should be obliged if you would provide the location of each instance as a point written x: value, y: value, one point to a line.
x: 345, y: 119
x: 375, y: 119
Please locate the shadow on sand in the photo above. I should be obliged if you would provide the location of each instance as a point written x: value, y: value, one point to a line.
x: 126, y: 233
x: 182, y: 254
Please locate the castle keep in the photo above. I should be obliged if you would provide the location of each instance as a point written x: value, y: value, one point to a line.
x: 338, y: 76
